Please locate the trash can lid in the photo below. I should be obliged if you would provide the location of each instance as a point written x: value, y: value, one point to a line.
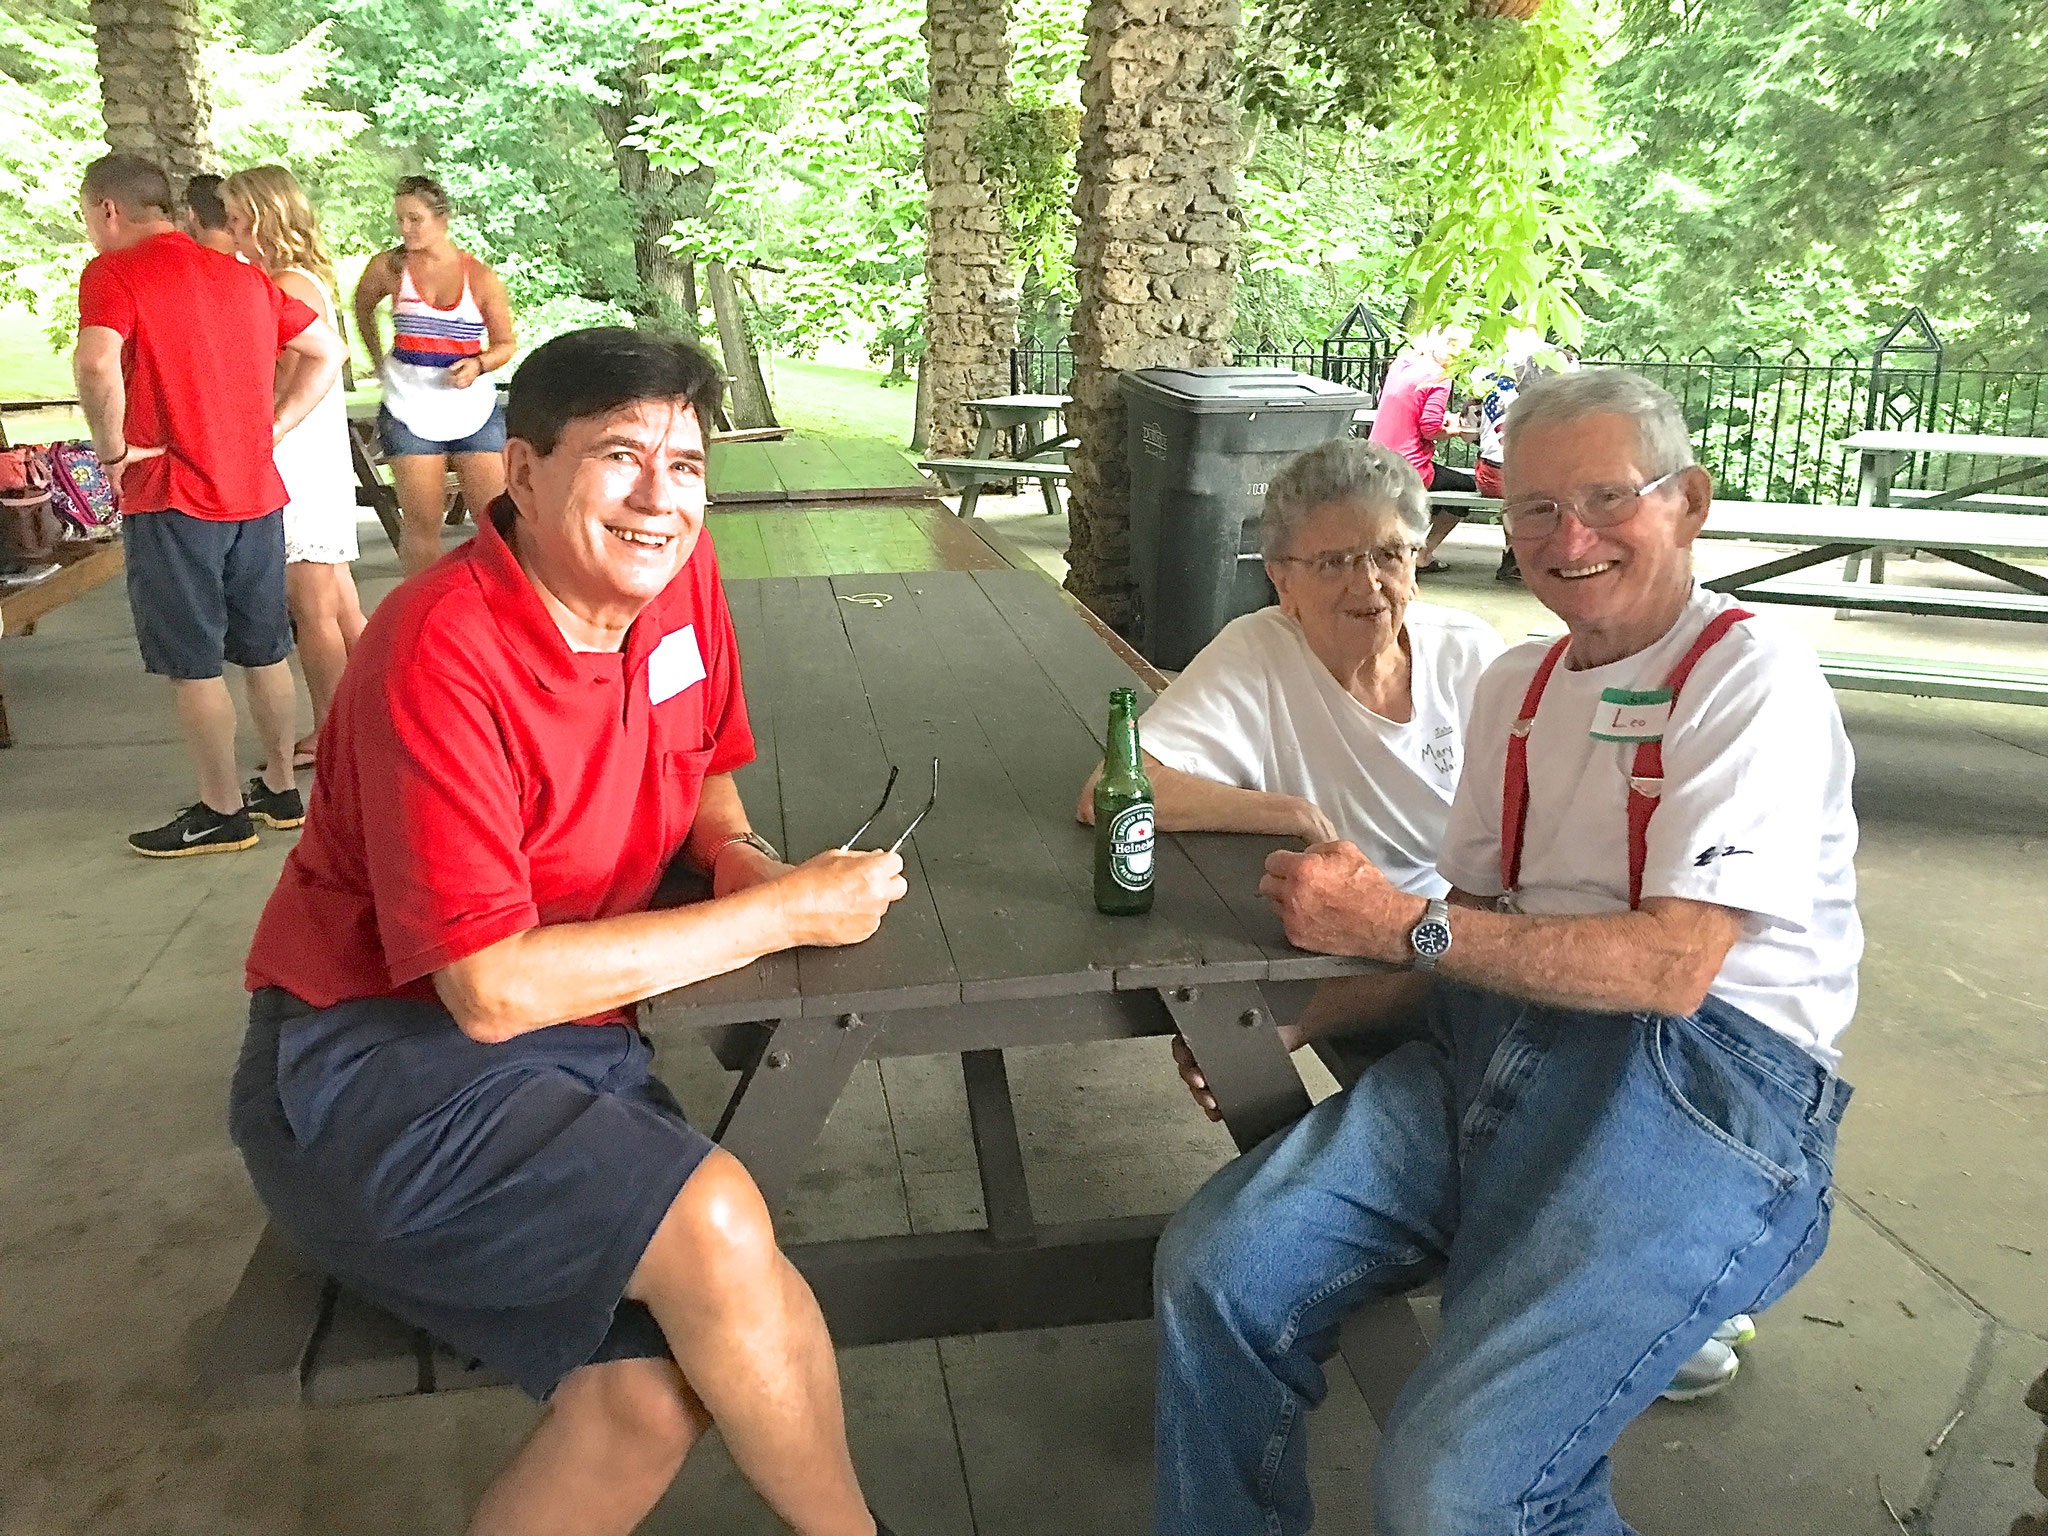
x: 1202, y: 390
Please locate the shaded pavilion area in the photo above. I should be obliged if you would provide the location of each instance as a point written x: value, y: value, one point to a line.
x: 128, y: 1215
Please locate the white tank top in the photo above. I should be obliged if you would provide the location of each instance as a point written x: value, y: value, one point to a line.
x: 425, y: 343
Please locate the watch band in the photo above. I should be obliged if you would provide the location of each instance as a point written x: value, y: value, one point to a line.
x: 751, y: 839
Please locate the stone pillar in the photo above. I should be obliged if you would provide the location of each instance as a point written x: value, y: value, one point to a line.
x: 970, y: 319
x: 153, y: 85
x: 1155, y: 255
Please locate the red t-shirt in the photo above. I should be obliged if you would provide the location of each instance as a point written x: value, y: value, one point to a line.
x: 200, y: 333
x: 1411, y: 412
x: 478, y: 778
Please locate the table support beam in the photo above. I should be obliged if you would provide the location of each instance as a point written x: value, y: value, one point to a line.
x: 1005, y: 1196
x: 2019, y: 576
x: 1232, y: 1034
x: 881, y: 1290
x: 1819, y: 554
x: 775, y: 1114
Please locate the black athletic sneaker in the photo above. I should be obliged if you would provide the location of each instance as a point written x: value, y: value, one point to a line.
x: 196, y: 829
x: 1510, y: 569
x: 280, y: 808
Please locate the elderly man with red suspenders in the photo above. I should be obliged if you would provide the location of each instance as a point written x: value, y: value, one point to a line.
x: 1620, y: 1128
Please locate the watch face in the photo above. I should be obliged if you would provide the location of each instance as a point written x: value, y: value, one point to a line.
x: 1431, y: 939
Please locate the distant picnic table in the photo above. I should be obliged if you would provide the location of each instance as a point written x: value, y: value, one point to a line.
x: 1041, y: 458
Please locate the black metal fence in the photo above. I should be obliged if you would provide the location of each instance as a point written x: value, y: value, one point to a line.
x: 1770, y: 428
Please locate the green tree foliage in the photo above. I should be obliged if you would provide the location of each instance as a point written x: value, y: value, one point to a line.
x: 1475, y: 133
x: 497, y: 98
x: 266, y: 107
x: 801, y: 124
x: 1805, y: 168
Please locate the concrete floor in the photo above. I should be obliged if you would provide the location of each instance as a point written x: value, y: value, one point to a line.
x: 125, y: 1215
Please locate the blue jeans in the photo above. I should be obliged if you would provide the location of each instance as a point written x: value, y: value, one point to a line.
x: 1597, y: 1192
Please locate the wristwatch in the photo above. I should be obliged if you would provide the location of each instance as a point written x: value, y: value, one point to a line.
x: 751, y: 839
x: 1431, y: 938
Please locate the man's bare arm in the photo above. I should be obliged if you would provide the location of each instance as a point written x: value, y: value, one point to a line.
x: 1658, y: 959
x: 552, y: 974
x: 1186, y: 802
x: 102, y: 393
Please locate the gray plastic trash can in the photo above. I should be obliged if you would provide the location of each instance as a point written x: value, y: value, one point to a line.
x: 1202, y: 445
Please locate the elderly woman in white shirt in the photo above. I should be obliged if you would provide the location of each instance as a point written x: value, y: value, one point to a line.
x: 1338, y: 713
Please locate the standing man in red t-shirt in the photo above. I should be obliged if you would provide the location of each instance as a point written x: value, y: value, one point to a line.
x: 177, y: 351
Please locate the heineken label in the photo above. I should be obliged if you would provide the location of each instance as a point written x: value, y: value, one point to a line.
x: 1130, y: 847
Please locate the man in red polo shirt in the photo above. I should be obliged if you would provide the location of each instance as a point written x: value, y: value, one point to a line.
x: 443, y: 1099
x: 177, y: 355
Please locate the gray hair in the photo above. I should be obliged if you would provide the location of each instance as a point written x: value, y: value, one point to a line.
x: 1563, y: 398
x: 1347, y: 471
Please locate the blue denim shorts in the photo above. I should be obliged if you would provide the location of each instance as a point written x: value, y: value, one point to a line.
x: 400, y: 441
x: 497, y: 1196
x: 204, y: 592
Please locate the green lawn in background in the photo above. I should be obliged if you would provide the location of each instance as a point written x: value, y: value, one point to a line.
x: 29, y: 370
x: 825, y: 401
x: 813, y: 398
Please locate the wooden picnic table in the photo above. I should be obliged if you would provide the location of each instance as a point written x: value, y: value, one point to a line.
x: 1985, y: 542
x: 1042, y: 458
x: 998, y: 943
x: 1881, y: 455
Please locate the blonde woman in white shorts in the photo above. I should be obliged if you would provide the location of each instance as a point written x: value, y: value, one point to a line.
x: 275, y: 228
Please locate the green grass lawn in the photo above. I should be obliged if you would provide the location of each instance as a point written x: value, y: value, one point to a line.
x: 842, y: 402
x: 29, y: 370
x: 813, y: 398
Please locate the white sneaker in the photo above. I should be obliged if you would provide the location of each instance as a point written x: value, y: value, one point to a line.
x: 1739, y: 1329
x: 1704, y: 1374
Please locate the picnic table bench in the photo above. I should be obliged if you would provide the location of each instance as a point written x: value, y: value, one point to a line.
x: 997, y: 945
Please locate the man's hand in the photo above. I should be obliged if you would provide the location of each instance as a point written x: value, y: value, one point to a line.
x: 741, y: 867
x: 1333, y: 900
x: 840, y: 898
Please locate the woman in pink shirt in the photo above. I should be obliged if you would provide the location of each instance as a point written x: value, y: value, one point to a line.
x: 1414, y: 416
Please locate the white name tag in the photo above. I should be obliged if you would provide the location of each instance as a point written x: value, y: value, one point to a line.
x: 1632, y: 714
x: 674, y: 665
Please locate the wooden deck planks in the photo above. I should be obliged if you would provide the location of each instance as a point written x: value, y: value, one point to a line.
x: 845, y: 540
x: 804, y: 469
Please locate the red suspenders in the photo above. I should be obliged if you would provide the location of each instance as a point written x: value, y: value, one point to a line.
x: 1646, y: 773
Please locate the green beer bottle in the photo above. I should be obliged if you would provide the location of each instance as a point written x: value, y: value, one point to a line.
x: 1123, y: 816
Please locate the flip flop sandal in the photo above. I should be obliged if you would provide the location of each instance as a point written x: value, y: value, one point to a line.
x: 1434, y: 568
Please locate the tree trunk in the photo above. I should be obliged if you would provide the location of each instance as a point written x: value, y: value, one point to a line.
x: 668, y: 289
x: 751, y: 406
x: 970, y: 297
x: 921, y: 417
x: 1155, y: 253
x: 153, y: 84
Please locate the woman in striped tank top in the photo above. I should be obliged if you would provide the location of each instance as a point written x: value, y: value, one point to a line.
x: 451, y: 325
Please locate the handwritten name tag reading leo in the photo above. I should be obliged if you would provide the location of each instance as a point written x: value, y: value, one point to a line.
x: 1632, y: 714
